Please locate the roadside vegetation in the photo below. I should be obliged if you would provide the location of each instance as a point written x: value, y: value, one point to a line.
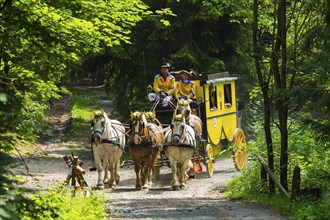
x: 56, y: 203
x: 310, y: 155
x: 278, y: 49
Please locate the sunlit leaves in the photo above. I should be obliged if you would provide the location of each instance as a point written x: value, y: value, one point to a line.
x: 41, y: 40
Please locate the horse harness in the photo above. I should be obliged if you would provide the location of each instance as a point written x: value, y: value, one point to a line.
x: 141, y: 134
x: 102, y: 140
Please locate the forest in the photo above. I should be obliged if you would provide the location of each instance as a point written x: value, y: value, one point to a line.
x: 280, y: 51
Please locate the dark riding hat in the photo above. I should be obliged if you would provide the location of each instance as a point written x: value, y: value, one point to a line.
x: 165, y: 65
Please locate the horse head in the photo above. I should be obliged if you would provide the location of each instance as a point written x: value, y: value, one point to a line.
x: 178, y: 128
x: 138, y: 127
x: 98, y: 124
x: 183, y: 107
x: 150, y: 116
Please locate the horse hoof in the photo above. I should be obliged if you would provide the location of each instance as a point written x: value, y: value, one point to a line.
x: 182, y: 187
x: 175, y: 188
x: 112, y: 186
x: 138, y: 187
x: 100, y: 186
x: 145, y: 187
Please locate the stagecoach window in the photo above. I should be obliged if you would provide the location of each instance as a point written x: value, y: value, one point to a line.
x: 213, y: 97
x: 228, y: 95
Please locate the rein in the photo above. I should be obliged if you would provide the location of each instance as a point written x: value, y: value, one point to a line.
x: 179, y: 145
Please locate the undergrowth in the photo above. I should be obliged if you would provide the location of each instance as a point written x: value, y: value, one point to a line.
x: 312, y: 158
x: 60, y: 204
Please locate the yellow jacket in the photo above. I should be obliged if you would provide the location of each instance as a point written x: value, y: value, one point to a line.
x: 167, y: 86
x: 185, y: 89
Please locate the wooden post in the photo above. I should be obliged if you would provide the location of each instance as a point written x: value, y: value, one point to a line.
x: 74, y: 174
x: 295, y: 183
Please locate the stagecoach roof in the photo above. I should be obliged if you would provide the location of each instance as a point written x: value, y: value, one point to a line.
x: 215, y: 77
x: 219, y: 80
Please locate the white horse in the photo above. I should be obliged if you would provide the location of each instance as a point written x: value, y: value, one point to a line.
x: 179, y: 147
x: 108, y: 142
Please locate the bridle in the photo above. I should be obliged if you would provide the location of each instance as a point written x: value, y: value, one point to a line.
x: 98, y: 132
x: 141, y: 131
x: 181, y: 136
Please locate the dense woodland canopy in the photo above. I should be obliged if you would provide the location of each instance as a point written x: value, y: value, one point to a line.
x: 279, y: 50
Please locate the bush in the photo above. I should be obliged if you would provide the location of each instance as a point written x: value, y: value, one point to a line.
x: 59, y: 204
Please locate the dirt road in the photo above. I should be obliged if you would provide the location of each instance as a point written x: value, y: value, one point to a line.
x: 203, y: 197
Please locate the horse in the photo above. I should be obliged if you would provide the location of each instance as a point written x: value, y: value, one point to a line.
x: 108, y: 142
x: 179, y: 147
x: 193, y: 120
x: 145, y: 143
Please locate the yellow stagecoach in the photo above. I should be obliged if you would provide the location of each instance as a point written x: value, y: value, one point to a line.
x: 220, y: 113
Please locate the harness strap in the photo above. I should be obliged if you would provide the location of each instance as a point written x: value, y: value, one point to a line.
x: 179, y: 145
x: 146, y: 144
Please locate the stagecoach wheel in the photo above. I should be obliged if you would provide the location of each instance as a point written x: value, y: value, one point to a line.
x: 239, y: 149
x: 209, y: 163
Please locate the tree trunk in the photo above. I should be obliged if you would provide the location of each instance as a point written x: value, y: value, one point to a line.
x: 282, y: 103
x: 265, y: 91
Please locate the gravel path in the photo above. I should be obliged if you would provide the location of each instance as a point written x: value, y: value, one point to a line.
x: 203, y: 197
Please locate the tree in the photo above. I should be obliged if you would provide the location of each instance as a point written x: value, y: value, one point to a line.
x: 292, y: 31
x: 41, y: 41
x: 264, y: 82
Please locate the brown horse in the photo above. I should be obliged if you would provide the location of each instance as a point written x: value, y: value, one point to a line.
x: 145, y: 142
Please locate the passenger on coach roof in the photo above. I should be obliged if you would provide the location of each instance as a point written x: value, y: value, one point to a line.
x: 185, y: 88
x: 164, y: 86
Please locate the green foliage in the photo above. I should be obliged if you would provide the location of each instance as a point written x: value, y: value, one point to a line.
x: 313, y: 160
x: 202, y: 36
x: 42, y: 41
x: 10, y: 197
x: 60, y: 204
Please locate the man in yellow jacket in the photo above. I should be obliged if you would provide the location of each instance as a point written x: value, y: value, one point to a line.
x: 185, y: 88
x: 164, y: 86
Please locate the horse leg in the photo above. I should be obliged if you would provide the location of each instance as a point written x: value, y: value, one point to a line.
x: 183, y: 176
x: 175, y: 182
x: 137, y: 173
x: 117, y: 165
x: 144, y: 174
x: 98, y: 163
x: 106, y: 170
x: 147, y: 176
x: 117, y: 176
x: 112, y: 182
